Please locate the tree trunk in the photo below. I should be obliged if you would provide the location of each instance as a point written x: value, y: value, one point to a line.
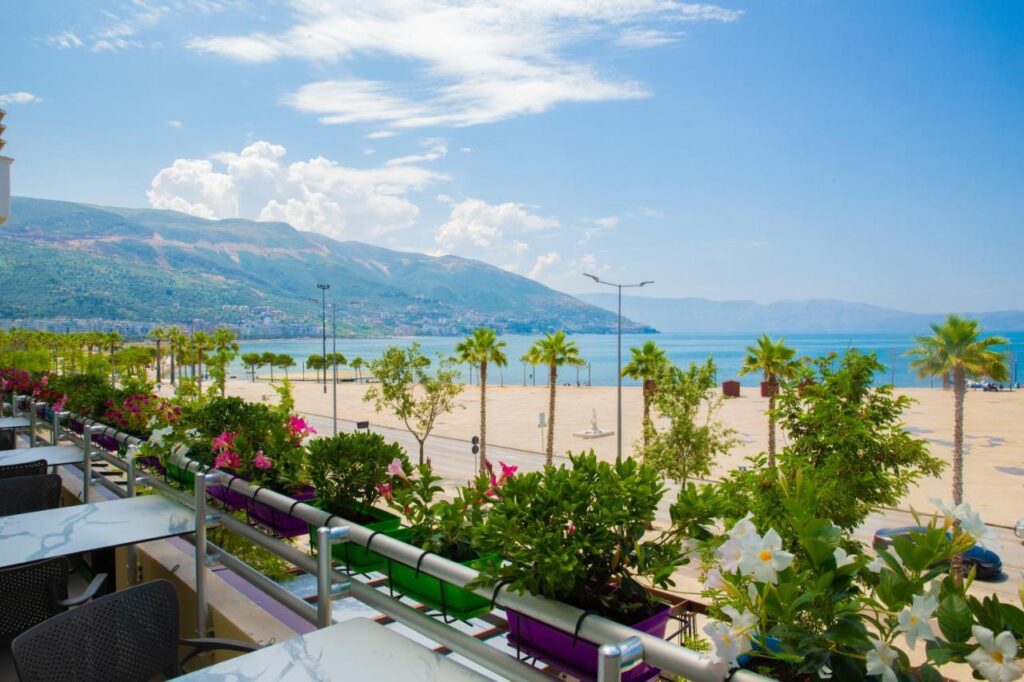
x: 959, y: 392
x: 200, y: 372
x: 172, y: 363
x: 647, y: 392
x: 553, y: 380
x: 422, y: 443
x: 159, y: 373
x: 483, y: 417
x: 771, y: 428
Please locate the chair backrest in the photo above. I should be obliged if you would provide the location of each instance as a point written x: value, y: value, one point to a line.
x: 29, y: 594
x: 29, y: 493
x: 36, y: 468
x: 128, y: 636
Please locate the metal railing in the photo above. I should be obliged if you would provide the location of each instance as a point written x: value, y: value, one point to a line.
x: 619, y: 646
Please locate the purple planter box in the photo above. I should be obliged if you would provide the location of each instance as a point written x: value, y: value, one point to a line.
x: 229, y: 498
x: 76, y: 426
x: 579, y: 657
x: 106, y: 442
x: 280, y: 522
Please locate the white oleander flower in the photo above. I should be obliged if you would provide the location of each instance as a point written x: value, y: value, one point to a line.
x: 842, y: 558
x: 982, y: 535
x: 824, y: 673
x: 729, y: 555
x: 713, y: 580
x: 763, y: 557
x: 743, y: 528
x: 950, y: 512
x: 995, y: 658
x: 716, y: 527
x: 732, y: 640
x: 158, y: 435
x: 880, y: 660
x: 913, y: 620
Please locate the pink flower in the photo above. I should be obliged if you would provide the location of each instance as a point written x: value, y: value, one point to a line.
x: 262, y: 461
x: 300, y: 427
x: 385, y: 490
x: 507, y: 470
x: 59, y: 405
x: 225, y: 441
x: 5, y: 385
x: 570, y: 527
x: 227, y: 459
x: 44, y: 381
x: 395, y: 469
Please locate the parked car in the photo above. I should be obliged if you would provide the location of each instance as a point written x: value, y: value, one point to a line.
x: 1018, y: 529
x: 986, y: 563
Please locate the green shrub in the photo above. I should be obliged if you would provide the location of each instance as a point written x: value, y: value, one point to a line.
x: 348, y: 470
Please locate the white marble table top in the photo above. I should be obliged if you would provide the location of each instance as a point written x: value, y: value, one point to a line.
x: 356, y: 650
x: 14, y: 422
x: 55, y: 455
x: 89, y: 527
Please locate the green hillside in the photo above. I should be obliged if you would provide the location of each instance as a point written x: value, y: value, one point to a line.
x: 62, y: 259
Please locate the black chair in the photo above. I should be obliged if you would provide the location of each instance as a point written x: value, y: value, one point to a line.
x: 32, y: 593
x: 36, y: 468
x: 29, y: 493
x: 128, y: 636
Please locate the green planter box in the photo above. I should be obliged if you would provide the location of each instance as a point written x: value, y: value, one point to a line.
x: 359, y: 559
x: 434, y: 592
x: 186, y: 479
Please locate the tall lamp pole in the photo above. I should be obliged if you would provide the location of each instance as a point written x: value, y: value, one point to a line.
x: 618, y: 374
x: 323, y: 305
x: 334, y: 363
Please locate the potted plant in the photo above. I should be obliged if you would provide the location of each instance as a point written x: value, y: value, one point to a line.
x: 442, y: 527
x: 824, y: 610
x: 349, y: 471
x: 136, y: 414
x: 576, y: 534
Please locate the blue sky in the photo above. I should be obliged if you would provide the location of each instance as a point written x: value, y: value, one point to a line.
x: 868, y: 151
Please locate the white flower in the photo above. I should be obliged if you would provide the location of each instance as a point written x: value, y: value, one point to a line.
x: 842, y: 558
x: 824, y: 673
x: 713, y: 580
x: 743, y: 528
x: 880, y: 660
x: 729, y: 555
x: 716, y: 527
x: 763, y: 557
x: 913, y: 620
x: 982, y: 535
x: 752, y: 593
x: 734, y: 639
x: 157, y: 437
x: 876, y: 565
x: 950, y: 512
x: 994, y: 659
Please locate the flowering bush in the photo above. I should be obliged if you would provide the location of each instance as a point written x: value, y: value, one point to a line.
x: 576, y: 534
x: 442, y: 526
x: 349, y: 471
x: 20, y: 382
x: 140, y: 413
x: 824, y: 610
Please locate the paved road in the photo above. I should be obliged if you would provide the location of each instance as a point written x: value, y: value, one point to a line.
x: 453, y: 460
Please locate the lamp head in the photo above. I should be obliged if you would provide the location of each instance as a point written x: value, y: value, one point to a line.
x: 593, y: 277
x: 646, y: 282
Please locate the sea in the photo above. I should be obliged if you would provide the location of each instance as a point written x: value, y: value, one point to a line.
x: 600, y: 353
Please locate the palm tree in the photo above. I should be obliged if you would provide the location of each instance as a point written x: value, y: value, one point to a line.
x: 225, y: 346
x: 268, y: 358
x: 554, y: 350
x: 113, y: 341
x: 648, y: 361
x: 177, y: 340
x: 956, y: 348
x: 357, y: 364
x: 252, y: 360
x: 158, y: 334
x: 284, y: 361
x: 480, y: 348
x: 774, y: 360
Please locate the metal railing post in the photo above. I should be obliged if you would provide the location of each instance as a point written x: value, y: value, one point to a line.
x: 202, y: 612
x: 55, y: 428
x: 614, y: 659
x: 133, y: 554
x: 87, y: 432
x: 325, y: 589
x: 32, y: 422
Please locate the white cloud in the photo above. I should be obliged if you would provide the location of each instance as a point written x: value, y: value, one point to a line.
x: 20, y: 97
x: 466, y: 150
x: 317, y: 194
x: 520, y: 248
x: 173, y: 123
x: 436, y: 148
x: 470, y: 61
x: 380, y: 134
x: 543, y: 263
x: 637, y: 37
x: 118, y: 28
x: 484, y: 225
x: 601, y: 225
x: 649, y: 212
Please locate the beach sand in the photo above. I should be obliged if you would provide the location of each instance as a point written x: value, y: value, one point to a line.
x: 994, y: 426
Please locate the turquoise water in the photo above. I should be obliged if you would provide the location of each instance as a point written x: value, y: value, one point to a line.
x: 600, y: 351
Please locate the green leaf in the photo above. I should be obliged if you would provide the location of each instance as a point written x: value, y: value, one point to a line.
x: 1014, y: 619
x: 955, y: 618
x: 929, y: 674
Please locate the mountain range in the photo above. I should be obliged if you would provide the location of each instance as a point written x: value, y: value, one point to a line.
x: 806, y: 316
x: 60, y: 259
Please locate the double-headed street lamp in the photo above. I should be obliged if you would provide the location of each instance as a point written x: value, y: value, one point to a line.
x: 618, y: 374
x: 323, y: 304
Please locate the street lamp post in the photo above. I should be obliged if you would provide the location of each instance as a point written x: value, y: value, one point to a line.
x: 323, y: 306
x: 334, y: 364
x: 618, y: 374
